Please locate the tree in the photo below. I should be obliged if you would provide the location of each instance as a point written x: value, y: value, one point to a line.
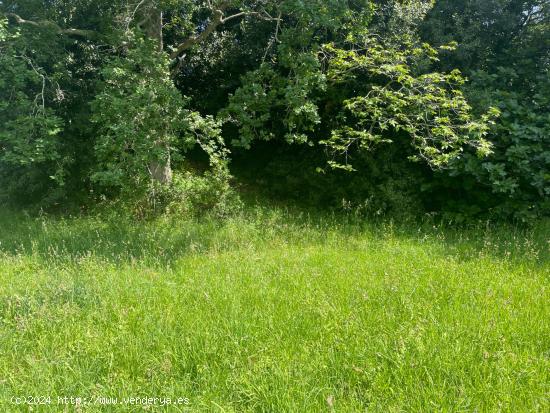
x: 504, y: 47
x: 29, y: 137
x: 374, y: 89
x: 148, y: 17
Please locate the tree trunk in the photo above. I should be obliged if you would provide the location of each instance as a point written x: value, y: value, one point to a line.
x: 153, y: 27
x: 161, y: 171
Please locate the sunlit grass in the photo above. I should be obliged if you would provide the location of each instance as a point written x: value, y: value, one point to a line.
x: 275, y: 312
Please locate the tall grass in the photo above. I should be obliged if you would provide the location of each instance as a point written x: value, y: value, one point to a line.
x: 274, y: 311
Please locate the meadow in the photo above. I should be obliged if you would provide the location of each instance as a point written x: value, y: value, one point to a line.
x: 272, y: 311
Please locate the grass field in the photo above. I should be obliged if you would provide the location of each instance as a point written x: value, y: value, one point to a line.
x: 272, y: 312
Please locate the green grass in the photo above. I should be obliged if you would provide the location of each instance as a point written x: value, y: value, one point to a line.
x: 274, y: 312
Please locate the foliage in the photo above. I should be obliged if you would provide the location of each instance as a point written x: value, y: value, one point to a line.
x: 192, y: 194
x: 519, y: 170
x: 373, y: 90
x: 29, y: 137
x: 142, y: 122
x: 388, y: 98
x: 503, y: 46
x: 265, y: 95
x: 139, y: 115
x: 111, y: 98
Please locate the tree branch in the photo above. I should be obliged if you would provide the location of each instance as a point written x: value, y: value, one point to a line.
x: 235, y: 16
x: 89, y: 34
x: 217, y: 20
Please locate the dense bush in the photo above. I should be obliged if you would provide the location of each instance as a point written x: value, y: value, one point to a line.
x: 504, y: 48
